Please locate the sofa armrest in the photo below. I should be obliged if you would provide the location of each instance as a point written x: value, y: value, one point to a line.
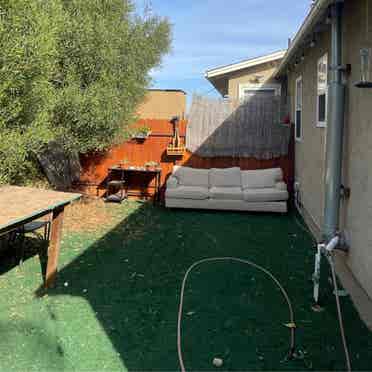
x: 281, y: 186
x: 172, y: 182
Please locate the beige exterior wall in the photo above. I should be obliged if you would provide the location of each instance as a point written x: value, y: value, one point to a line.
x: 356, y: 215
x: 357, y: 211
x: 262, y: 74
x: 163, y: 104
x: 310, y: 150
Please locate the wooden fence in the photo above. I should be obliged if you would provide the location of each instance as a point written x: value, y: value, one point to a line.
x: 95, y: 166
x: 237, y: 128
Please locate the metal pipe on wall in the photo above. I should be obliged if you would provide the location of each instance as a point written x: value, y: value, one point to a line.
x: 335, y: 129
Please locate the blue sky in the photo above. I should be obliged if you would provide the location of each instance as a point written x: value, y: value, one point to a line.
x: 211, y: 33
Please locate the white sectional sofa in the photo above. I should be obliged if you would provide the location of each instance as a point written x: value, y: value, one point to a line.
x: 227, y: 189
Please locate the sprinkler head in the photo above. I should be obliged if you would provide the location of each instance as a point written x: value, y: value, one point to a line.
x: 217, y: 362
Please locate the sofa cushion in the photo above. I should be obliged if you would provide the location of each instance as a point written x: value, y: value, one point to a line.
x: 191, y: 177
x: 226, y: 193
x: 172, y: 182
x: 281, y: 186
x: 226, y: 177
x: 265, y: 195
x: 261, y: 178
x: 188, y: 192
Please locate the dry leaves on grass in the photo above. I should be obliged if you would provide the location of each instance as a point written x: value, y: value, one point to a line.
x: 87, y: 215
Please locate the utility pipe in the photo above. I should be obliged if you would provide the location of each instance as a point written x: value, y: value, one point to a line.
x: 327, y: 250
x: 335, y: 127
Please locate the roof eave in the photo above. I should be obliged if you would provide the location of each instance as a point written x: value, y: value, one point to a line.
x: 221, y: 88
x: 224, y: 70
x: 306, y: 28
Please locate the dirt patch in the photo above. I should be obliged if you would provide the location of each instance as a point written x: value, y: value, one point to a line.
x: 87, y: 215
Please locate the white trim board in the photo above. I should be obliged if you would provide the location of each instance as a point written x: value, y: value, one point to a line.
x: 306, y: 29
x: 244, y: 64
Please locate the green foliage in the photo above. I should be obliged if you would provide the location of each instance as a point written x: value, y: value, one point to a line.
x: 71, y: 71
x: 142, y: 131
x: 152, y: 164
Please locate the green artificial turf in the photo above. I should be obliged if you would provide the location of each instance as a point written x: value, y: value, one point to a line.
x: 115, y: 304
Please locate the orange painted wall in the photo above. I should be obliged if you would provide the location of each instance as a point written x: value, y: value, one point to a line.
x: 95, y: 166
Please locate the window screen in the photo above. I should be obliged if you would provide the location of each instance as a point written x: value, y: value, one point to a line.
x: 322, y: 108
x: 298, y: 117
x: 259, y: 92
x: 322, y: 81
x: 298, y: 124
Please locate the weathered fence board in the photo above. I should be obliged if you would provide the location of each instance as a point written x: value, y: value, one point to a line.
x: 249, y: 128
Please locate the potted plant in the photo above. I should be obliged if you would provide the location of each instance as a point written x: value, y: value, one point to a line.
x: 151, y: 165
x: 286, y: 120
x: 142, y: 132
x: 123, y: 163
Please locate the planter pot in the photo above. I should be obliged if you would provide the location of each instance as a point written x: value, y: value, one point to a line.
x: 141, y: 136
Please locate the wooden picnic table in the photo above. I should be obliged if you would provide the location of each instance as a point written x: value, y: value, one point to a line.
x: 20, y: 205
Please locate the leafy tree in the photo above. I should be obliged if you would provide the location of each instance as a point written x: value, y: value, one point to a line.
x: 71, y: 71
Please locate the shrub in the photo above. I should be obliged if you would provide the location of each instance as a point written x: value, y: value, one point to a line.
x: 71, y: 71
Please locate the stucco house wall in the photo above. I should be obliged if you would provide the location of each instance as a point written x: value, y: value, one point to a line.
x: 163, y: 104
x: 252, y: 72
x: 310, y: 149
x: 262, y: 74
x: 356, y: 212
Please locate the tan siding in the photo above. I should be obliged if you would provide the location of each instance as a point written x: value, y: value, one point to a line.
x: 357, y: 211
x: 310, y: 151
x: 249, y: 76
x: 163, y: 105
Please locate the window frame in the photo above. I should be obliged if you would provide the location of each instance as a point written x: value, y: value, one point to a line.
x: 322, y: 91
x: 299, y: 79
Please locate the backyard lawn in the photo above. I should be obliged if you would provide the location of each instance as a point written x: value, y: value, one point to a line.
x: 115, y: 304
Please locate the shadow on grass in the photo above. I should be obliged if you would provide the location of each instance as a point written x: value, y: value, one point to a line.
x: 33, y: 246
x: 131, y: 277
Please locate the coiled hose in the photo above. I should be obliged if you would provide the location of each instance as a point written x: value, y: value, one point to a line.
x: 238, y: 260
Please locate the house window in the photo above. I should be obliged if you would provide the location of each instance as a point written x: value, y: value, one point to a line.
x: 259, y: 92
x: 298, y: 107
x: 254, y: 90
x: 322, y: 81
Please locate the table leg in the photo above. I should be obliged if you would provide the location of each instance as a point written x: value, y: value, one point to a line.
x: 159, y: 197
x: 54, y: 246
x: 156, y: 189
